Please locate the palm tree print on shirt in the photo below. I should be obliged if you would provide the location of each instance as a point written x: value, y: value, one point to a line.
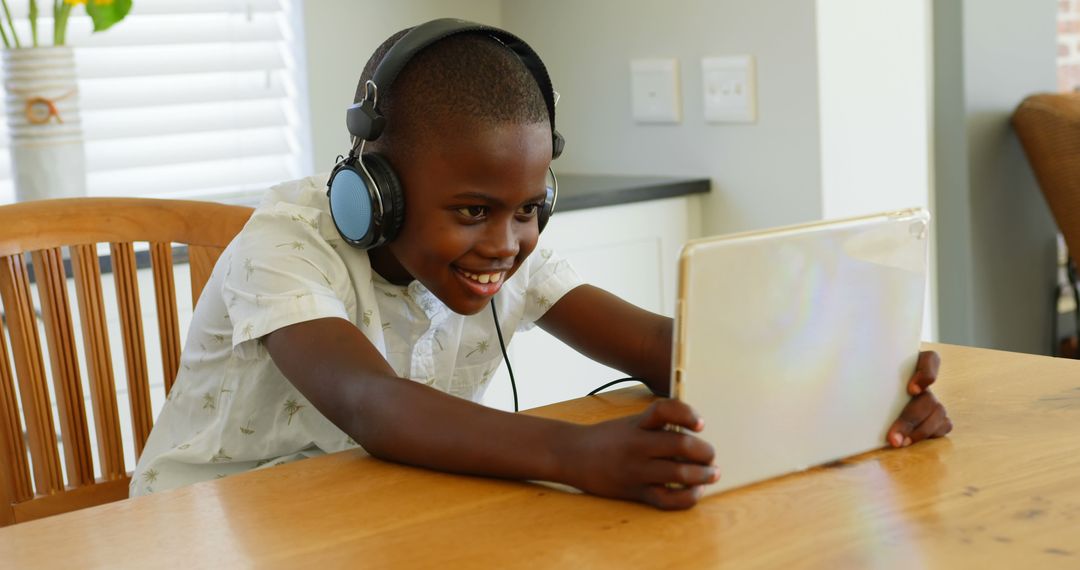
x: 541, y: 300
x: 292, y: 407
x: 307, y: 221
x: 220, y: 456
x: 249, y: 268
x: 295, y: 245
x: 480, y: 347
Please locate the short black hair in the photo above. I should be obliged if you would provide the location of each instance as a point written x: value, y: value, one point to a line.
x: 470, y: 76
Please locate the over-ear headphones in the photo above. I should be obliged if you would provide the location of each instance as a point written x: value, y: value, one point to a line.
x: 366, y: 199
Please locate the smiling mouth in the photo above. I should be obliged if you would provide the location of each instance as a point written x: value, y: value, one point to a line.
x: 481, y: 284
x: 484, y: 278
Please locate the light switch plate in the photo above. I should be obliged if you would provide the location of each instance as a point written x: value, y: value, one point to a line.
x: 654, y: 86
x: 730, y: 91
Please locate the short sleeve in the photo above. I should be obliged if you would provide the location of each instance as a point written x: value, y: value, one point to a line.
x: 550, y: 277
x: 282, y: 271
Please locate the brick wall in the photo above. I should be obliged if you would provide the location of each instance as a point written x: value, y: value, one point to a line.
x: 1068, y: 57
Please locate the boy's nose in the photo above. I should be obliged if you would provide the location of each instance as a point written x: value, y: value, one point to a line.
x: 501, y: 241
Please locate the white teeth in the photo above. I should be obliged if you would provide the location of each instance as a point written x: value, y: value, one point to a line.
x: 484, y: 278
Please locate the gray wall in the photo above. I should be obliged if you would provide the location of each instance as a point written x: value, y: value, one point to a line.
x: 340, y: 35
x: 763, y: 174
x: 995, y: 235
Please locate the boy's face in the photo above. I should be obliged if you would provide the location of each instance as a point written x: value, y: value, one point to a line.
x: 471, y: 205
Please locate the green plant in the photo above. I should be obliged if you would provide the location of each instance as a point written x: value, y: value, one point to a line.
x: 104, y: 14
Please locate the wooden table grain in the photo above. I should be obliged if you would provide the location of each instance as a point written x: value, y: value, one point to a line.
x: 1003, y: 491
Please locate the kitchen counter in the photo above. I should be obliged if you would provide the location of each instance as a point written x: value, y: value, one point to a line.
x: 581, y: 191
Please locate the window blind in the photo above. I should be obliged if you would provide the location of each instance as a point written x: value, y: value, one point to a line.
x: 193, y: 99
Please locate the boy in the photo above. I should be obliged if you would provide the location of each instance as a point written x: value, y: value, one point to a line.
x: 303, y: 345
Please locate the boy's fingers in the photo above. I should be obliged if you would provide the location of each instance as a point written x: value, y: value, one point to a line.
x: 671, y: 499
x: 665, y: 412
x: 916, y: 412
x: 660, y: 471
x: 926, y: 371
x: 937, y: 425
x: 667, y: 445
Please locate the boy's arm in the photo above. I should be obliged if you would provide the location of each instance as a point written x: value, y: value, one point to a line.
x: 615, y: 333
x: 342, y: 374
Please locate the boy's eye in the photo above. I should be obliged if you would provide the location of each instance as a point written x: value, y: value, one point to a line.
x: 473, y: 212
x: 528, y: 209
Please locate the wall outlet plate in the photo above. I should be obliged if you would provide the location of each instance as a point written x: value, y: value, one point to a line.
x: 730, y: 91
x: 654, y: 88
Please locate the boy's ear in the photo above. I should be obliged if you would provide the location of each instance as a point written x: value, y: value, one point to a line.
x: 363, y: 121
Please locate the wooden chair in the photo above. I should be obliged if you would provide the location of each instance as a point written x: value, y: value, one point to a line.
x: 44, y: 230
x: 1048, y: 126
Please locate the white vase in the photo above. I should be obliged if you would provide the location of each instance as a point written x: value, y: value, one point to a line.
x: 42, y: 100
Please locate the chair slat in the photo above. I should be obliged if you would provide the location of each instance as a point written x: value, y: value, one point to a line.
x: 64, y: 360
x: 87, y: 272
x: 201, y: 260
x: 77, y: 498
x: 14, y: 471
x: 168, y: 321
x: 30, y: 371
x: 131, y: 330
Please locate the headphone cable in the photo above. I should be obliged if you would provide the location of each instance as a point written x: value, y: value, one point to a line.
x: 510, y: 369
x: 502, y: 345
x: 614, y: 382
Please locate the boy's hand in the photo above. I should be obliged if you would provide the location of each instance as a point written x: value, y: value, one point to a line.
x: 923, y: 417
x: 636, y: 458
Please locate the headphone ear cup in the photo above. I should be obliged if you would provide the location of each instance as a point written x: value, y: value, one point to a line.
x: 393, y: 199
x: 546, y: 209
x: 351, y: 200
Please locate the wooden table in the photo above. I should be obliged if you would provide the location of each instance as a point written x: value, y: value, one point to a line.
x: 1003, y: 491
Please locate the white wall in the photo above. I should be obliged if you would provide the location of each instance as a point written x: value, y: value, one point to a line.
x: 876, y: 112
x: 875, y: 105
x: 763, y: 174
x: 340, y: 36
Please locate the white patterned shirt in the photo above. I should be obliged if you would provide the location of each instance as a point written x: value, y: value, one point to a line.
x: 231, y: 410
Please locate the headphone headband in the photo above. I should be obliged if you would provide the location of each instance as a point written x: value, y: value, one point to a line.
x: 367, y: 203
x: 366, y: 123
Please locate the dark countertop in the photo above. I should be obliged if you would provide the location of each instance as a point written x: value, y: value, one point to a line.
x: 580, y: 191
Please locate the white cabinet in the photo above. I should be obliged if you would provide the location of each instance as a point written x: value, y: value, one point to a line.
x: 630, y: 250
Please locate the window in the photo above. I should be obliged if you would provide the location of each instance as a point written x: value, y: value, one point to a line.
x: 197, y: 99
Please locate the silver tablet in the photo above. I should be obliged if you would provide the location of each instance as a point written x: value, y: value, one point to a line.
x: 796, y: 344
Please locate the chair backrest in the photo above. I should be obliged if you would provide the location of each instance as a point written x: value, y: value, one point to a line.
x: 37, y: 240
x: 1048, y: 125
